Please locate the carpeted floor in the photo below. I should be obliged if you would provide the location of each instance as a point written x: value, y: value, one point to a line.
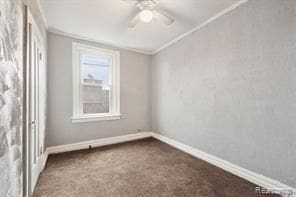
x: 141, y: 168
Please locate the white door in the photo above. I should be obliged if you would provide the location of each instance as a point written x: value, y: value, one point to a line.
x: 34, y: 133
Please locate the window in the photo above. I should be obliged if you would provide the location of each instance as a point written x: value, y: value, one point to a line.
x: 95, y: 84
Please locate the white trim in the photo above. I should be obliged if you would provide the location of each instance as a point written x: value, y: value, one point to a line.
x: 97, y: 143
x: 110, y: 44
x: 31, y: 25
x: 253, y: 177
x: 44, y: 159
x: 223, y: 12
x: 96, y: 118
x: 26, y: 167
x: 114, y: 100
x: 42, y: 13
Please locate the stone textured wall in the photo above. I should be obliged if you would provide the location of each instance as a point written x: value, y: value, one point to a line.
x: 11, y: 69
x: 11, y: 91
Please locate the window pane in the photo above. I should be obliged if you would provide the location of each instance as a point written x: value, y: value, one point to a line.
x: 96, y: 87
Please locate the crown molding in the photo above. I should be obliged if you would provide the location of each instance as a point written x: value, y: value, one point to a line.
x: 59, y: 32
x: 223, y: 12
x: 112, y: 44
x: 210, y: 20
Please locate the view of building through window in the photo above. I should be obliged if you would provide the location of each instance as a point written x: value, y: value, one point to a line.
x: 96, y: 83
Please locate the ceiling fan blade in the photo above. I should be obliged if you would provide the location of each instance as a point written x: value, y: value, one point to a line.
x: 163, y: 17
x: 130, y: 2
x: 134, y: 21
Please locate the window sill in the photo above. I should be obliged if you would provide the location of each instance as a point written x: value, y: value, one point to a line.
x: 96, y: 118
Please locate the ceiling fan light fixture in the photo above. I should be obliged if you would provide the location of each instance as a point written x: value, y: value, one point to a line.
x: 146, y: 16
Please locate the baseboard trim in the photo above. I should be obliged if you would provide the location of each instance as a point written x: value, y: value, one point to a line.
x: 97, y: 143
x: 253, y: 177
x: 44, y: 159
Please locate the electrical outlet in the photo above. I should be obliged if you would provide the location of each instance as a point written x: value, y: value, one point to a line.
x: 139, y: 129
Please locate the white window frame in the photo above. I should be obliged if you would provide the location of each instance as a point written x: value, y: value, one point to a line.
x: 114, y: 105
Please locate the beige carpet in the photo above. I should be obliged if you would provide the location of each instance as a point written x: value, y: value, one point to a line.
x: 141, y: 168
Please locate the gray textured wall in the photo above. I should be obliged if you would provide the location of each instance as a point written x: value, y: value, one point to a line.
x: 229, y: 89
x: 11, y: 92
x: 134, y: 84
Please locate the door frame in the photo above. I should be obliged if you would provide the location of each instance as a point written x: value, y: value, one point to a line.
x: 28, y: 188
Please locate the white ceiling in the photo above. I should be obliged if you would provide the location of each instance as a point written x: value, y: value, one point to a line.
x: 106, y: 21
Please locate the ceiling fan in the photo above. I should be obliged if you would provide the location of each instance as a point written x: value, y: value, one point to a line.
x: 148, y: 13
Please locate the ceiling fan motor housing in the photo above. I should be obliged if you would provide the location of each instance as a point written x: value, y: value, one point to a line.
x: 148, y: 12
